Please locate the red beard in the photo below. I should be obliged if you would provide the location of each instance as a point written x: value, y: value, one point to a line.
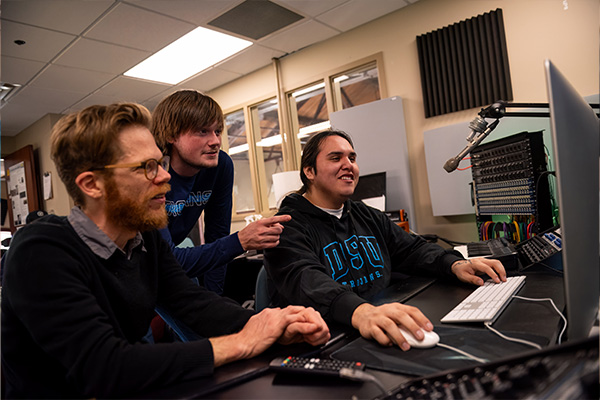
x: 134, y: 214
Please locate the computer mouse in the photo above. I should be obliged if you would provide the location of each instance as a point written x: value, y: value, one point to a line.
x: 430, y: 339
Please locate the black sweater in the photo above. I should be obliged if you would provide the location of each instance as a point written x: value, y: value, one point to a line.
x: 72, y: 322
x: 334, y: 265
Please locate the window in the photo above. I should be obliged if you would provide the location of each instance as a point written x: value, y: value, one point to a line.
x: 355, y: 88
x: 243, y: 198
x: 265, y: 122
x: 309, y: 111
x: 260, y: 147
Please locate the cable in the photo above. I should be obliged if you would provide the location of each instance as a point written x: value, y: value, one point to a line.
x: 357, y: 375
x: 517, y: 232
x: 511, y: 339
x: 327, y: 345
x: 559, y: 340
x: 464, y: 353
x: 432, y: 238
x: 544, y: 265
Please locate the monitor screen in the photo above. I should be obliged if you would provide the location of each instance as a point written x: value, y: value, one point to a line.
x: 576, y: 139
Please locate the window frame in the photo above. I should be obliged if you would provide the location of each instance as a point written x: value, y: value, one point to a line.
x: 288, y: 126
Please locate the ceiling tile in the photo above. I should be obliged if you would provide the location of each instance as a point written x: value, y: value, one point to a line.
x: 357, y: 12
x: 310, y: 8
x: 135, y: 27
x: 18, y: 70
x: 40, y: 44
x: 209, y: 80
x: 194, y: 11
x: 16, y: 117
x: 99, y: 56
x: 256, y: 19
x: 29, y: 105
x: 91, y: 100
x: 299, y: 36
x: 134, y: 90
x: 54, y: 101
x: 153, y: 102
x: 251, y: 59
x: 71, y: 79
x: 61, y: 15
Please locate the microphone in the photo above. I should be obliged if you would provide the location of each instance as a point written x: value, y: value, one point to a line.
x: 479, y: 131
x: 452, y: 163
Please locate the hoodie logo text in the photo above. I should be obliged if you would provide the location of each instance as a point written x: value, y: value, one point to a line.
x: 174, y: 208
x: 357, y: 252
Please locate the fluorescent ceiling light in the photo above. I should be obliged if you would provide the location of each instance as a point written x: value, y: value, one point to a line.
x: 188, y: 55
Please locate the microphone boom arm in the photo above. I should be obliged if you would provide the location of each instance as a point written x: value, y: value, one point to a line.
x: 452, y: 163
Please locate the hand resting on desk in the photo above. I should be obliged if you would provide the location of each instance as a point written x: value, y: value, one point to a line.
x: 292, y: 324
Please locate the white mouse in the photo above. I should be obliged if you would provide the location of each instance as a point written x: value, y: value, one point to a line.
x: 430, y: 339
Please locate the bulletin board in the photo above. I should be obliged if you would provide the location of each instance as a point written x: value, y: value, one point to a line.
x: 22, y: 186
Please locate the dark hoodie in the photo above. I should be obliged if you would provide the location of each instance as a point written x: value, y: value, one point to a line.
x: 334, y: 265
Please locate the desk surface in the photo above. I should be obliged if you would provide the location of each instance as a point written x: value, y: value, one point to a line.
x: 253, y: 380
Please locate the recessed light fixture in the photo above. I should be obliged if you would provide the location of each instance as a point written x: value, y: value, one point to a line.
x: 7, y: 90
x: 188, y: 55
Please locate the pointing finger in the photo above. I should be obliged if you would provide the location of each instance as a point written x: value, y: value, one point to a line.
x: 276, y: 219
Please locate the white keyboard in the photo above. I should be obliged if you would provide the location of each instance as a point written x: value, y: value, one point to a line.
x: 486, y: 302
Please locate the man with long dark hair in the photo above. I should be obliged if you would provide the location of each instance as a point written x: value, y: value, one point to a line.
x: 335, y: 253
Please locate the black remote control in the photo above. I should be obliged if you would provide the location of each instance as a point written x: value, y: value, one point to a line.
x: 313, y: 365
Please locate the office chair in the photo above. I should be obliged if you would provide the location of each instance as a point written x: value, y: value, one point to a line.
x: 262, y: 298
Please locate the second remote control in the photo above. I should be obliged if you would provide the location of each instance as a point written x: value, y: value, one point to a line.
x: 317, y: 366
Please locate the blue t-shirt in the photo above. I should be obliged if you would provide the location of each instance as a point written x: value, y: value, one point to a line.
x: 208, y: 191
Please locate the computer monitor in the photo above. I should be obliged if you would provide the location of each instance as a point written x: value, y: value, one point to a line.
x: 576, y: 139
x: 371, y: 185
x: 371, y: 190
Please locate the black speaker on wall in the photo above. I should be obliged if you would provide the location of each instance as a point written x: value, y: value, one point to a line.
x: 464, y: 65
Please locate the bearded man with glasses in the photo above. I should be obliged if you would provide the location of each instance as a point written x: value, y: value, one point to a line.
x: 80, y: 291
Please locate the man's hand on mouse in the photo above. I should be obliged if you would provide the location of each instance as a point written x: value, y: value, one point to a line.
x: 469, y: 270
x: 382, y: 323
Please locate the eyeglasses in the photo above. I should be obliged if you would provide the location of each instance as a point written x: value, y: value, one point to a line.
x: 150, y: 166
